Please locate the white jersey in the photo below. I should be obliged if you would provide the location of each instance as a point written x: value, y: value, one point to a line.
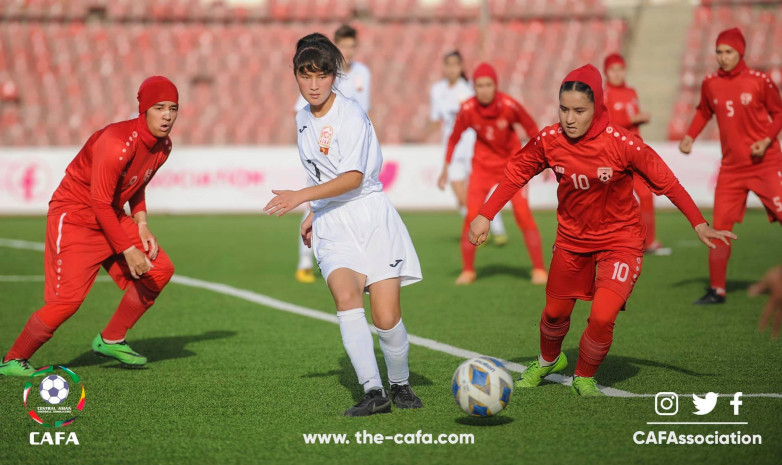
x: 445, y: 101
x: 354, y: 85
x: 342, y: 140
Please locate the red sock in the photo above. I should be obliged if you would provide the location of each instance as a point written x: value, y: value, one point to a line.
x: 554, y: 325
x: 468, y: 253
x: 534, y: 247
x: 135, y: 302
x: 718, y: 265
x: 599, y: 333
x: 33, y: 336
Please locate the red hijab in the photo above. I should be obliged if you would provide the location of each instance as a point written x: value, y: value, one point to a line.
x: 734, y: 39
x: 590, y: 76
x: 493, y: 109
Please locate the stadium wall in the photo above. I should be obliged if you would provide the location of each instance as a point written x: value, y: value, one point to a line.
x: 239, y: 180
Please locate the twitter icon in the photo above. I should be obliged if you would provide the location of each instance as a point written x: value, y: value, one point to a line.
x: 704, y: 404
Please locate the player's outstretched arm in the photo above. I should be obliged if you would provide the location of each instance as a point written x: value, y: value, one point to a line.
x: 285, y: 201
x: 706, y: 233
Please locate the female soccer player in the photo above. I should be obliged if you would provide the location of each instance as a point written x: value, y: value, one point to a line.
x: 749, y: 117
x: 87, y: 227
x: 624, y: 111
x: 445, y: 98
x: 493, y: 115
x: 599, y: 245
x: 353, y: 82
x: 360, y: 242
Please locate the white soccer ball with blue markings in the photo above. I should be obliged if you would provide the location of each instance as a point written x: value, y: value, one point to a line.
x: 482, y: 386
x: 54, y: 389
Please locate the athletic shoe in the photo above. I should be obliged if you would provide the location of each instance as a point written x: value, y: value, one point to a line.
x: 374, y: 401
x: 120, y: 351
x: 16, y: 367
x: 585, y: 387
x: 710, y: 298
x: 535, y: 373
x: 656, y: 248
x: 467, y: 277
x: 404, y: 397
x: 539, y: 277
x: 305, y: 276
x: 500, y: 239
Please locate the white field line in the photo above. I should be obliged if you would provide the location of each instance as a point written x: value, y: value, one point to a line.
x: 271, y: 302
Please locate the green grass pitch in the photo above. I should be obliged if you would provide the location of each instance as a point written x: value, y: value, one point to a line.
x: 231, y: 381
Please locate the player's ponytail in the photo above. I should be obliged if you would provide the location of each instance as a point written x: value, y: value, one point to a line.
x: 315, y: 53
x: 455, y: 53
x: 577, y: 86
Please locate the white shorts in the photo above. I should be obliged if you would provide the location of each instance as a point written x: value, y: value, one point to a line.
x: 366, y: 236
x: 461, y: 162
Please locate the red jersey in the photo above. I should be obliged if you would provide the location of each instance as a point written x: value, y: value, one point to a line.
x: 496, y: 138
x: 622, y: 104
x: 597, y: 209
x: 748, y: 108
x: 113, y: 168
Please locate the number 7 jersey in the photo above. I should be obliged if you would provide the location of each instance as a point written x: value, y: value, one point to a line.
x: 596, y: 206
x: 343, y: 140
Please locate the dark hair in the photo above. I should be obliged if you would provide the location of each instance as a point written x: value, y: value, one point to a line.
x: 315, y: 53
x: 346, y: 31
x: 578, y: 86
x: 455, y: 53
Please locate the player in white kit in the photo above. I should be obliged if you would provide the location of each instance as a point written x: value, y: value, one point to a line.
x: 445, y: 98
x: 354, y: 82
x: 359, y: 240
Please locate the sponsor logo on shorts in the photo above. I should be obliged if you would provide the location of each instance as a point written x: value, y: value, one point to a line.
x: 395, y: 264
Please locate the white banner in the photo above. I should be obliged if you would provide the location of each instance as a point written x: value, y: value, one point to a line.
x: 240, y: 179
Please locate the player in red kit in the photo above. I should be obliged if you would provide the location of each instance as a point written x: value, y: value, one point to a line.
x: 624, y: 111
x: 87, y: 228
x: 493, y: 115
x: 749, y: 116
x: 598, y: 250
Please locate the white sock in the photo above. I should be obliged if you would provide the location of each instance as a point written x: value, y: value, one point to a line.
x: 544, y: 363
x: 305, y: 253
x: 357, y: 339
x: 395, y: 347
x: 498, y: 226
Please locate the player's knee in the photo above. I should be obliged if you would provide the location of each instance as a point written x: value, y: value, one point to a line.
x: 55, y: 314
x: 163, y: 270
x: 601, y: 324
x: 347, y: 299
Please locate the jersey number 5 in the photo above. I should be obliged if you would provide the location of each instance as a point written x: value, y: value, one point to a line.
x: 729, y: 106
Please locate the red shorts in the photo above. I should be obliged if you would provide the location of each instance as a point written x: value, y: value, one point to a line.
x: 730, y: 197
x: 578, y: 275
x: 74, y: 254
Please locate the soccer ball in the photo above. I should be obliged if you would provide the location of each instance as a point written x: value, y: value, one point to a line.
x: 482, y: 386
x: 54, y: 389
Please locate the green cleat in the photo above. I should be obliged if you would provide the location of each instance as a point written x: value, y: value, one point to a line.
x: 535, y: 373
x: 120, y: 352
x: 585, y: 387
x: 16, y: 367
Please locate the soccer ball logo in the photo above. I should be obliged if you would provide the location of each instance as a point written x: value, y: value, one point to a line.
x: 54, y: 389
x: 482, y: 386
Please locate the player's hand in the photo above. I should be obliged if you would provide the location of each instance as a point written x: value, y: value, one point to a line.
x: 283, y: 202
x: 442, y: 181
x: 137, y: 261
x: 149, y: 240
x: 758, y: 149
x: 706, y: 233
x: 685, y: 146
x: 772, y: 312
x: 641, y: 118
x: 306, y: 230
x: 479, y: 230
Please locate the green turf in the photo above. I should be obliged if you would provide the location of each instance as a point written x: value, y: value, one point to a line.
x: 230, y: 381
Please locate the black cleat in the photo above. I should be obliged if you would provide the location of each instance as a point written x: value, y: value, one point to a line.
x: 374, y: 401
x: 404, y: 397
x: 710, y: 298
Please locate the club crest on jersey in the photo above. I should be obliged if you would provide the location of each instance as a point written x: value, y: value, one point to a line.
x: 746, y: 98
x: 324, y: 141
x: 502, y: 124
x: 604, y: 174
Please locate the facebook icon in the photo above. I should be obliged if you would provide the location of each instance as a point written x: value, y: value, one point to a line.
x: 736, y: 402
